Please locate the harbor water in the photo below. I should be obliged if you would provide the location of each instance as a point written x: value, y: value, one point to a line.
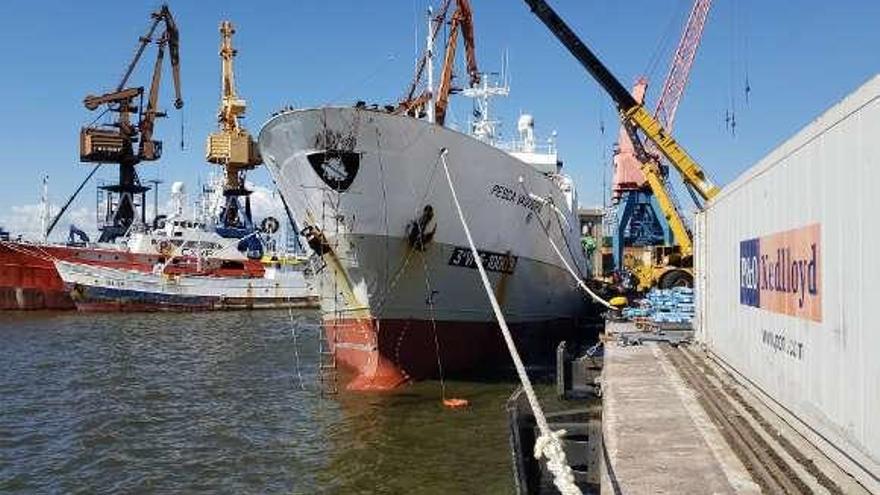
x: 225, y: 403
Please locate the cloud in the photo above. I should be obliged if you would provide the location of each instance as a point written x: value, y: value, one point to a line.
x: 26, y: 220
x: 265, y: 202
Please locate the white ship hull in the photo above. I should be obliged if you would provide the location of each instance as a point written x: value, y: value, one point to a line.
x: 100, y: 288
x: 365, y: 178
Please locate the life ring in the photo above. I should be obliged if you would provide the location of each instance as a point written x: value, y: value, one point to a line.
x: 270, y: 225
x: 166, y: 248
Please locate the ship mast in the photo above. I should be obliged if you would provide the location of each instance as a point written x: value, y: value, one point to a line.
x: 429, y: 59
x: 428, y: 104
x: 44, y: 209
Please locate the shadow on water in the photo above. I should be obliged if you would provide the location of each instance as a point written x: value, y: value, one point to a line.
x: 217, y: 402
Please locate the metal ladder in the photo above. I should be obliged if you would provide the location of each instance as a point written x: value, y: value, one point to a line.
x: 327, y: 374
x: 327, y: 363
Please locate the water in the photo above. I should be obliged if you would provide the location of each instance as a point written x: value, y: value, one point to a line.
x: 212, y: 402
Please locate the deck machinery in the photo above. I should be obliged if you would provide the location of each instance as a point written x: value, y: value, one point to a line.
x: 114, y: 142
x: 233, y: 148
x: 673, y: 263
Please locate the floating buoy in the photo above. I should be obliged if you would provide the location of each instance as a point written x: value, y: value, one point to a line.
x: 456, y: 403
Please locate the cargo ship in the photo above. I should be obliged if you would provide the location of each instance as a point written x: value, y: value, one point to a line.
x: 400, y: 293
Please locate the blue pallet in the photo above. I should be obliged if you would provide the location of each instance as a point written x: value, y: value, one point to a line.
x: 665, y: 306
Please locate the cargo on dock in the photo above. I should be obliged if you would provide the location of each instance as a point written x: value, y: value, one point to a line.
x: 786, y: 281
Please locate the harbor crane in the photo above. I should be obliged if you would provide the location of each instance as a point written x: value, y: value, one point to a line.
x: 232, y: 147
x: 114, y: 142
x: 636, y: 117
x: 637, y: 219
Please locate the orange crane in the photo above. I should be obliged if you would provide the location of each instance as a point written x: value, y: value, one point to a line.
x: 114, y: 142
x: 232, y: 147
x: 461, y: 20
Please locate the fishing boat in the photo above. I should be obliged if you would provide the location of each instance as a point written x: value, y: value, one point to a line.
x: 100, y: 288
x: 400, y: 293
x: 184, y: 248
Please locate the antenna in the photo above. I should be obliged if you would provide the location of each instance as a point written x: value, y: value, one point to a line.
x: 155, y: 183
x: 505, y: 68
x: 44, y: 208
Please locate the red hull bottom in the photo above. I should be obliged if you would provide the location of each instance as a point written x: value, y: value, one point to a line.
x: 34, y: 298
x: 386, y: 353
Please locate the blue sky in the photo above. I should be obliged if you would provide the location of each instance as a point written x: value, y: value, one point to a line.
x: 800, y: 57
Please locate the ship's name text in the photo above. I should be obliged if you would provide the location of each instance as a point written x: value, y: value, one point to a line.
x: 518, y: 198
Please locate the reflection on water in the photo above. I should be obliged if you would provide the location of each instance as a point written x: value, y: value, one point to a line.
x: 213, y: 402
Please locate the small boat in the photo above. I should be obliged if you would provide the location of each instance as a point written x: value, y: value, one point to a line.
x: 102, y: 288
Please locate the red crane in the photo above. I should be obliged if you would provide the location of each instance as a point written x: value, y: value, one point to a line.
x: 628, y: 175
x: 680, y: 69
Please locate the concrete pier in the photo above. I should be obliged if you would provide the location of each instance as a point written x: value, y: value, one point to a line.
x: 657, y: 437
x: 673, y: 423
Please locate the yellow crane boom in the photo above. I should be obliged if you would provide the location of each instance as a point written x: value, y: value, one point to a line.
x: 635, y: 115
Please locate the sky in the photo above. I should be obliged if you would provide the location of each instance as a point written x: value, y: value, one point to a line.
x: 799, y: 57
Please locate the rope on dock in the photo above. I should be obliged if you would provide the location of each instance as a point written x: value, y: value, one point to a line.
x: 548, y: 444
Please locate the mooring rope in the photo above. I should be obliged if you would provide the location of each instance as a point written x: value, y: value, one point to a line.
x: 548, y: 444
x: 577, y: 278
x: 431, y: 313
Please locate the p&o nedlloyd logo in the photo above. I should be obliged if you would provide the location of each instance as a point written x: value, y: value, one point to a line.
x: 782, y: 272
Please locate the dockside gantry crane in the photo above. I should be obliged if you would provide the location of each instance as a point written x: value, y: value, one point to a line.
x: 637, y: 118
x: 114, y: 142
x: 232, y: 147
x: 638, y: 220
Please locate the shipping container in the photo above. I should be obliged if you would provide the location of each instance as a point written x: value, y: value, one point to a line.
x: 788, y: 267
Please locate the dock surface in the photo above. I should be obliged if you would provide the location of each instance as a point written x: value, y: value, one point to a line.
x: 657, y: 437
x: 673, y: 422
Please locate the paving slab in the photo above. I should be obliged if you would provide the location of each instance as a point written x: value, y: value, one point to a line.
x: 657, y: 437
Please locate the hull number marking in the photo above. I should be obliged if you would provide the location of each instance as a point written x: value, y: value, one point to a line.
x: 492, y: 262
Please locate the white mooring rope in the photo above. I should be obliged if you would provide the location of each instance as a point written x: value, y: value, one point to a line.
x: 568, y: 267
x: 548, y: 444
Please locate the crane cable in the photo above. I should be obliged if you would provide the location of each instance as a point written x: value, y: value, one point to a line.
x: 548, y: 444
x: 664, y: 45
